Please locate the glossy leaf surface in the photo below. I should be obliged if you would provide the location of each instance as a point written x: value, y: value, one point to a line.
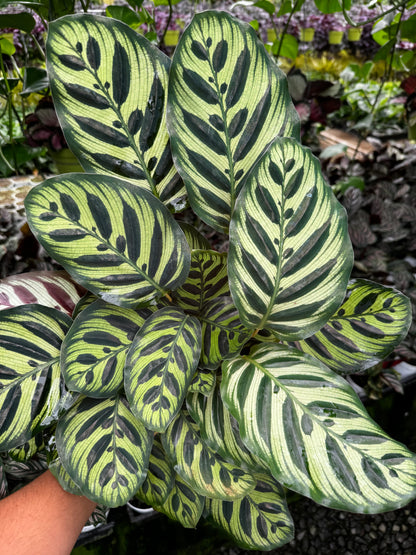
x: 259, y: 520
x: 290, y: 255
x: 104, y: 449
x: 160, y: 366
x: 94, y: 351
x: 368, y: 325
x: 30, y: 381
x: 199, y: 465
x: 109, y: 89
x: 309, y: 426
x: 116, y: 239
x: 227, y: 101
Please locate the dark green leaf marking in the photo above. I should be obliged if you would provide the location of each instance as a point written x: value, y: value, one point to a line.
x: 121, y: 74
x: 93, y: 53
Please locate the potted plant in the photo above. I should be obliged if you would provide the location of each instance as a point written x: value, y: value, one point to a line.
x: 198, y: 381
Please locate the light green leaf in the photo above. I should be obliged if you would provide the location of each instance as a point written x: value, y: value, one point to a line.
x: 183, y: 504
x: 203, y: 382
x: 202, y: 469
x: 104, y: 449
x: 160, y: 366
x: 116, y: 239
x: 259, y: 520
x: 195, y: 239
x: 109, y: 89
x: 223, y: 334
x: 309, y: 426
x: 94, y: 351
x: 30, y: 382
x: 160, y: 479
x: 290, y: 255
x: 366, y: 328
x: 227, y: 101
x: 207, y: 279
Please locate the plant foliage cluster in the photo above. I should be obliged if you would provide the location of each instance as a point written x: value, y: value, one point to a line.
x: 203, y: 383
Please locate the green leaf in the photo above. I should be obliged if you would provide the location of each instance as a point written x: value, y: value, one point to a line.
x: 160, y: 479
x: 219, y: 430
x: 48, y: 288
x: 64, y: 479
x: 290, y: 254
x: 202, y: 469
x: 195, y: 239
x: 125, y: 14
x: 289, y: 46
x: 23, y: 21
x: 109, y: 89
x: 35, y: 80
x: 309, y: 426
x: 183, y: 504
x: 160, y: 366
x: 223, y: 334
x: 332, y: 6
x: 104, y: 449
x: 203, y: 382
x: 227, y: 101
x: 259, y: 520
x: 28, y: 450
x: 30, y: 381
x: 93, y: 353
x: 116, y: 239
x: 207, y: 279
x: 366, y: 328
x: 7, y: 47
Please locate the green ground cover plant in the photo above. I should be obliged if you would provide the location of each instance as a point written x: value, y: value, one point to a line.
x: 203, y: 383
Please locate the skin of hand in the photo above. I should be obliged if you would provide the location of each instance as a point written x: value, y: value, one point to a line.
x: 42, y: 519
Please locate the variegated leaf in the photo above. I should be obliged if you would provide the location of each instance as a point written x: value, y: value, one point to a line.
x: 227, y: 102
x: 207, y: 279
x: 219, y: 430
x: 223, y: 334
x: 200, y: 466
x: 55, y: 289
x: 160, y: 478
x: 195, y: 239
x: 4, y: 486
x: 104, y: 449
x: 28, y: 450
x: 310, y: 427
x: 259, y: 520
x: 25, y: 471
x: 30, y: 382
x: 84, y: 301
x: 66, y: 482
x: 160, y: 366
x: 93, y: 353
x: 365, y: 329
x: 203, y: 382
x: 183, y: 504
x: 109, y: 89
x: 290, y: 255
x: 117, y: 240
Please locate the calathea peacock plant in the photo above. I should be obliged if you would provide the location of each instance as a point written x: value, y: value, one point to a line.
x: 200, y: 382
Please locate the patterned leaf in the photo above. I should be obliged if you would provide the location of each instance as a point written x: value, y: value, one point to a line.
x: 109, y: 89
x: 219, y: 430
x: 203, y: 382
x: 309, y: 426
x: 64, y: 479
x: 160, y: 365
x: 183, y: 504
x: 28, y: 450
x: 55, y: 289
x: 116, y: 239
x: 370, y: 323
x: 207, y: 279
x: 94, y: 351
x: 160, y: 478
x: 25, y: 471
x: 290, y: 255
x: 202, y: 469
x: 227, y: 102
x: 104, y: 449
x: 195, y: 239
x: 223, y: 334
x: 30, y: 381
x: 260, y: 520
x: 4, y: 486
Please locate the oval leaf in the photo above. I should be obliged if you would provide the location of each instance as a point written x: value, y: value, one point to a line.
x: 30, y: 380
x: 109, y: 89
x: 309, y: 426
x: 160, y: 366
x: 94, y: 351
x: 290, y: 255
x: 116, y: 239
x: 104, y: 449
x: 227, y: 102
x: 366, y: 328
